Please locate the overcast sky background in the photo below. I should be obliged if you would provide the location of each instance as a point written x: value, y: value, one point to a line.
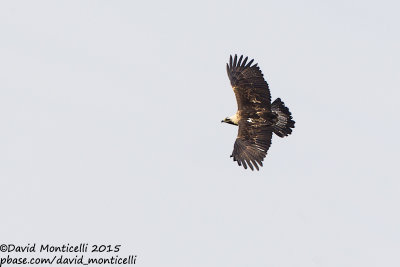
x: 110, y: 131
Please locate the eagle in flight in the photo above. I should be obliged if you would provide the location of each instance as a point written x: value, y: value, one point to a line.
x: 256, y: 117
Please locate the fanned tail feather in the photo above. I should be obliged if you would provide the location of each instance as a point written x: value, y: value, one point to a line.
x: 283, y: 127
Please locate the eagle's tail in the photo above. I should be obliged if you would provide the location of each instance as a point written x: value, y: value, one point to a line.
x: 283, y: 127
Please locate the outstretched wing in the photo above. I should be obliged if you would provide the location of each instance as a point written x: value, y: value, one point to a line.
x: 252, y: 144
x: 248, y: 83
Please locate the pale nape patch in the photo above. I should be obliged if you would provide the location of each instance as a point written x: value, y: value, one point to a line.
x: 234, y: 118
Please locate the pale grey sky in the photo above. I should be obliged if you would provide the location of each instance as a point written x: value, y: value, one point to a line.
x: 110, y: 130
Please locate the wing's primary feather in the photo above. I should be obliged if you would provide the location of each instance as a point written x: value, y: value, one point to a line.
x: 251, y: 145
x: 248, y: 83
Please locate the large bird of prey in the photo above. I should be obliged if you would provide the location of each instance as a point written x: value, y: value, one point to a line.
x: 256, y: 117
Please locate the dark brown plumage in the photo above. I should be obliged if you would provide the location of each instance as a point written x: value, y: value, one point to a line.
x: 256, y: 117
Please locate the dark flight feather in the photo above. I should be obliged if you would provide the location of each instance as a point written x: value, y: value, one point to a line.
x: 248, y: 83
x: 251, y: 145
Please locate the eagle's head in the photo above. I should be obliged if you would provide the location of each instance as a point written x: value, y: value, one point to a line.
x: 229, y: 120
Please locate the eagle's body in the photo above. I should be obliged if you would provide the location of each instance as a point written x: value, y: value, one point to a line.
x: 256, y: 117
